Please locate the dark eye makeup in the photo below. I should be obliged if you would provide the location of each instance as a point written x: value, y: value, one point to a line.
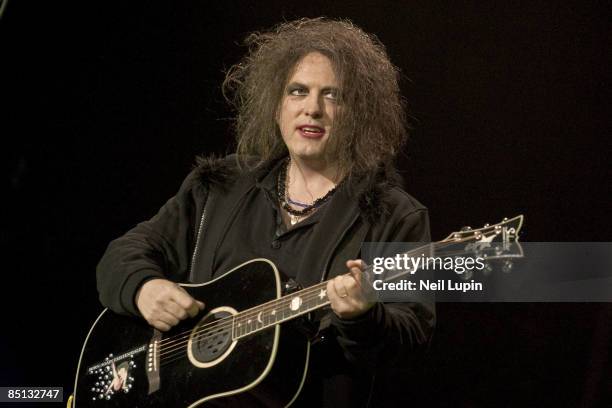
x: 301, y: 90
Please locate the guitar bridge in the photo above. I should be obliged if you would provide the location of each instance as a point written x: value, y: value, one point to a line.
x: 153, y: 362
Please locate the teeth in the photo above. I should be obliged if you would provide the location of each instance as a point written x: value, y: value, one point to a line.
x: 311, y: 130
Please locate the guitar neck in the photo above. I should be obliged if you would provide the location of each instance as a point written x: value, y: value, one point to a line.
x: 292, y: 305
x: 478, y: 242
x: 280, y: 310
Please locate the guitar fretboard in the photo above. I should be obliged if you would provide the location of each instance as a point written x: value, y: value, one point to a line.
x: 279, y: 310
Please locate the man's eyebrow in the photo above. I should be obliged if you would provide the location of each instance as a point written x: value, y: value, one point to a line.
x: 325, y: 88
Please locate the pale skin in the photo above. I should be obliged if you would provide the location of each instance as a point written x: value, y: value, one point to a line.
x: 310, y: 99
x: 309, y: 103
x: 164, y: 304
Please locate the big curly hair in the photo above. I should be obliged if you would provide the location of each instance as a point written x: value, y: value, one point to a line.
x: 368, y: 131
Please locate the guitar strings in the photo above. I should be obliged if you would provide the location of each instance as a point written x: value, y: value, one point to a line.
x: 223, y: 323
x: 168, y: 351
x: 308, y: 292
x: 178, y: 351
x: 308, y: 298
x: 309, y: 295
x: 254, y: 310
x: 181, y: 353
x: 244, y: 315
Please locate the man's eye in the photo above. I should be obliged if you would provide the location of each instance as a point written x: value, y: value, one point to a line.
x: 298, y: 91
x: 332, y: 94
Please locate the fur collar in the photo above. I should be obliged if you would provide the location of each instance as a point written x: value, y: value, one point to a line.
x: 370, y: 189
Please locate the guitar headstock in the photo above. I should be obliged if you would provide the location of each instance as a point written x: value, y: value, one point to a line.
x: 491, y: 241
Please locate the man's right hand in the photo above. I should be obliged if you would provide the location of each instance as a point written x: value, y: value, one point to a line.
x: 163, y: 303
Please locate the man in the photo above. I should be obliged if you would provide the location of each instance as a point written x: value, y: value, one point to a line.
x: 319, y: 123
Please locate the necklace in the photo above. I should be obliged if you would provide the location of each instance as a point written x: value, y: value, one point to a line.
x: 297, y: 203
x: 282, y: 186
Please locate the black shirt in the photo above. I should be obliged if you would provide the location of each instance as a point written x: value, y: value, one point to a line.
x: 258, y: 231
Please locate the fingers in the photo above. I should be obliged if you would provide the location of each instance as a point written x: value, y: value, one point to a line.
x: 350, y: 283
x: 332, y: 295
x: 339, y: 287
x: 175, y: 310
x: 164, y: 304
x: 343, y: 288
x: 191, y: 306
x: 355, y: 263
x: 167, y: 318
x: 159, y: 325
x: 345, y: 292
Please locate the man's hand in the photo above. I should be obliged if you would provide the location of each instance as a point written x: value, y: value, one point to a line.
x: 347, y: 296
x: 163, y: 303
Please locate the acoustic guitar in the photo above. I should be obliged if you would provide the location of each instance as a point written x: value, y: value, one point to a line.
x: 236, y: 351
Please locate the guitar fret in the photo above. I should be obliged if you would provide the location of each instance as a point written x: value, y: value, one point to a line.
x: 279, y: 310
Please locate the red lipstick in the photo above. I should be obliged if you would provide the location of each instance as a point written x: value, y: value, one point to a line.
x: 311, y: 131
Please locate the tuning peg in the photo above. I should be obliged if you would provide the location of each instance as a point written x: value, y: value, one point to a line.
x: 466, y: 228
x: 486, y: 225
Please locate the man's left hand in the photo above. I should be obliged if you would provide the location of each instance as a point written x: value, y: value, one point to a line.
x: 346, y: 293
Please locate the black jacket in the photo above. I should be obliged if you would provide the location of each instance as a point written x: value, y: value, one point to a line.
x: 372, y: 209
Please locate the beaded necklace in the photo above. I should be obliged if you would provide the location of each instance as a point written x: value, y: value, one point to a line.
x: 282, y: 186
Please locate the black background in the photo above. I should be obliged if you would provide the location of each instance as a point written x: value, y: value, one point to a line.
x: 104, y: 106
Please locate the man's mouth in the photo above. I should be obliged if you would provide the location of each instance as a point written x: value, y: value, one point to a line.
x: 312, y: 132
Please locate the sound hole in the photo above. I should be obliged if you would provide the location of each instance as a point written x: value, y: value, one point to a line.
x: 211, y: 337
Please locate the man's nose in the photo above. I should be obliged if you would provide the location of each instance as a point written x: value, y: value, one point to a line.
x: 313, y: 105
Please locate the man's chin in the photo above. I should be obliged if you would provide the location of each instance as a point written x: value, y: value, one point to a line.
x: 310, y: 157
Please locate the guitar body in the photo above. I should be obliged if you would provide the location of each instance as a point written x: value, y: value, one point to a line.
x: 202, y: 361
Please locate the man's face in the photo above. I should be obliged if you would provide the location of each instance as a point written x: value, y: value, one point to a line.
x: 308, y: 107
